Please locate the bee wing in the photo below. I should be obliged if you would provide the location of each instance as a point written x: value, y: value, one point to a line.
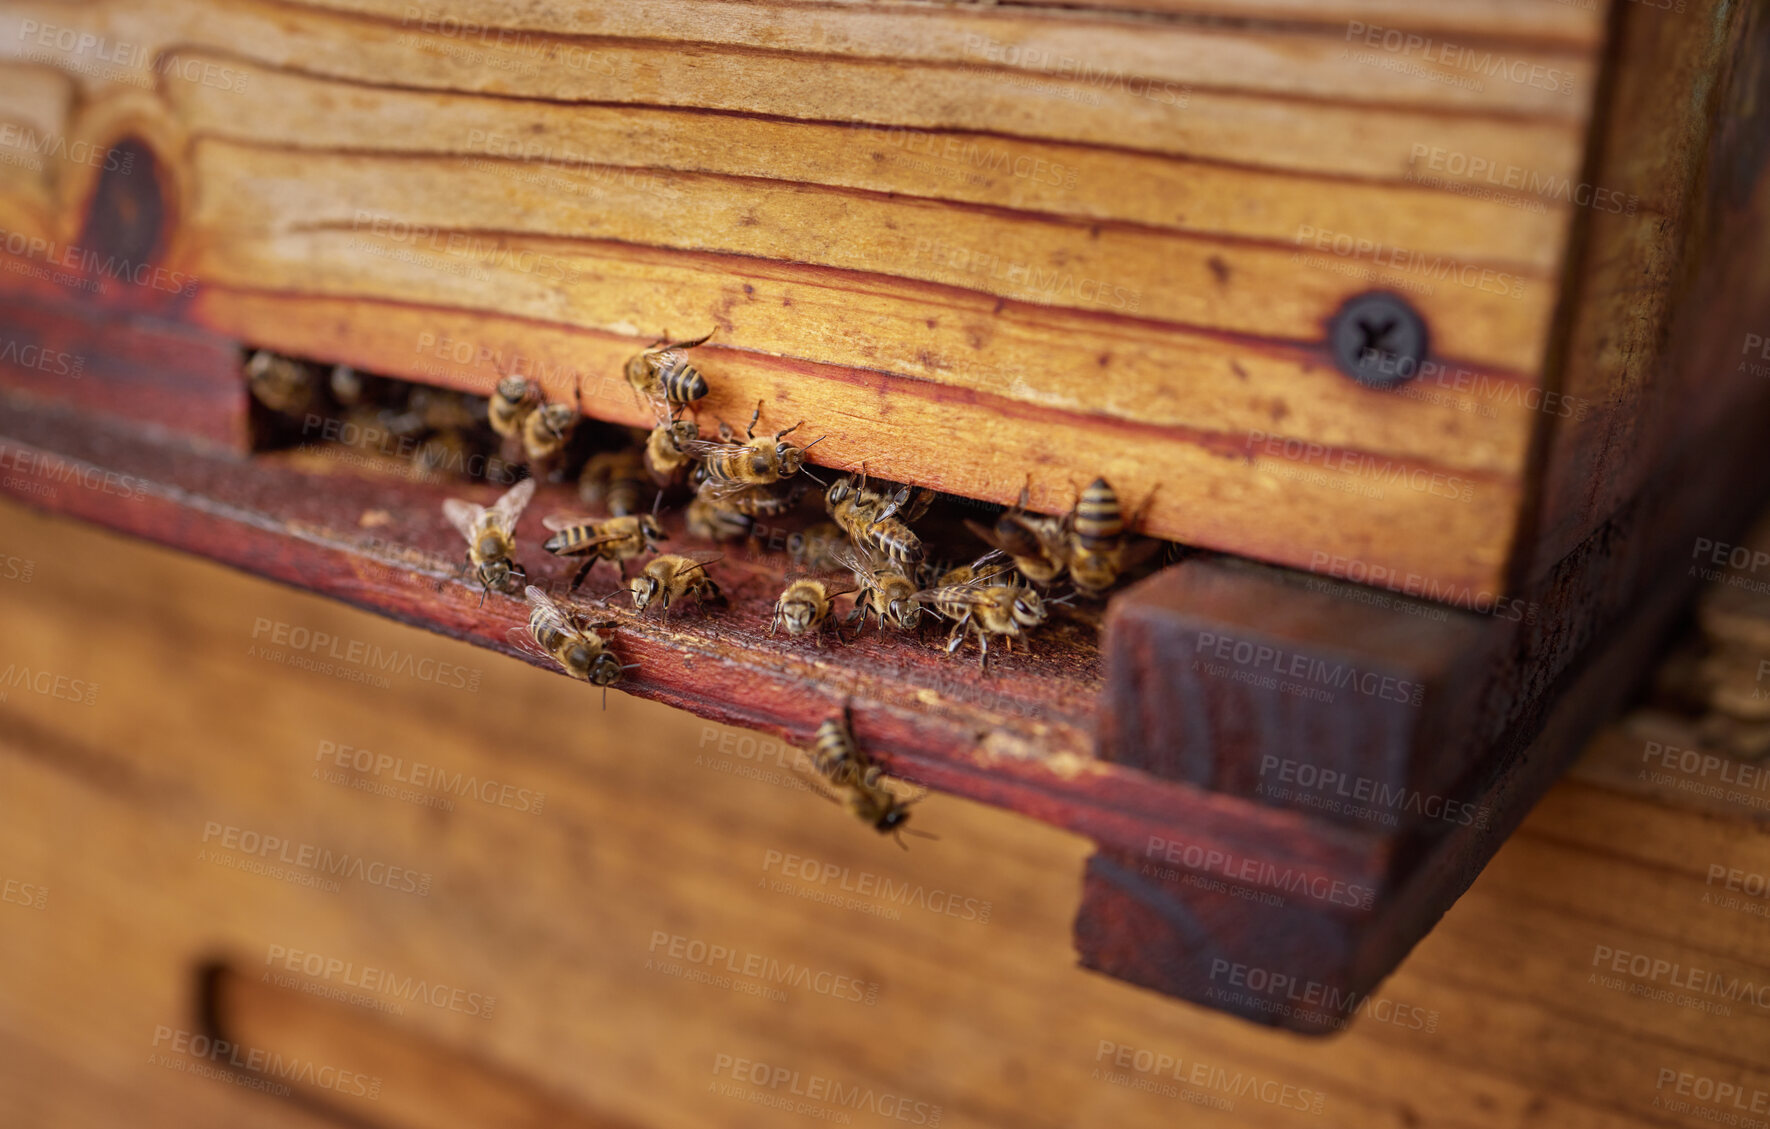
x: 557, y: 522
x: 716, y: 491
x: 540, y: 603
x: 847, y: 557
x: 507, y: 509
x: 692, y: 344
x: 463, y: 515
x: 520, y: 638
x: 702, y: 448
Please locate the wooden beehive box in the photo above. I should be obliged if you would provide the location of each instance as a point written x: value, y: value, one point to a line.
x: 1445, y: 305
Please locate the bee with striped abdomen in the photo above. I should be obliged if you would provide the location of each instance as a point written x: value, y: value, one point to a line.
x: 885, y: 590
x: 491, y: 534
x: 710, y: 523
x: 663, y: 373
x: 804, y: 608
x: 614, y: 480
x: 985, y: 606
x: 837, y: 757
x: 870, y: 518
x: 547, y: 429
x: 567, y: 639
x: 1038, y: 544
x: 1100, y: 549
x: 615, y: 539
x: 666, y: 454
x: 754, y: 462
x: 669, y: 579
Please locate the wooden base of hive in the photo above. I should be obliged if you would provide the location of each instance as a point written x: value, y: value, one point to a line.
x: 1160, y: 736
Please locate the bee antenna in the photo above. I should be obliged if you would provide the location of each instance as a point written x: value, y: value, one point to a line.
x: 811, y: 444
x: 630, y: 666
x: 814, y: 478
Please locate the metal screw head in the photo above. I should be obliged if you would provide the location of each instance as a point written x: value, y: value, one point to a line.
x: 1378, y: 339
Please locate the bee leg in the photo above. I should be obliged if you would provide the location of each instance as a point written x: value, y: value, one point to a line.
x: 583, y: 571
x: 983, y: 656
x: 750, y: 433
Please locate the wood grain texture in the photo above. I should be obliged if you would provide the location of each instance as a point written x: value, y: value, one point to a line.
x: 1105, y: 239
x: 553, y: 913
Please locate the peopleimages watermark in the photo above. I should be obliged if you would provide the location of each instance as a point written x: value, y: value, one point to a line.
x: 1096, y: 80
x: 1406, y: 263
x: 446, y: 356
x: 1753, y: 885
x: 1490, y: 390
x: 1359, y: 467
x: 1297, y: 673
x: 1421, y: 587
x: 198, y: 1051
x: 25, y: 148
x: 31, y: 895
x: 303, y: 864
x: 124, y: 62
x: 509, y: 49
x: 1279, y: 993
x: 747, y: 755
x: 1135, y: 1068
x: 729, y: 967
x: 1723, y: 1103
x: 17, y: 568
x: 564, y: 168
x: 1760, y: 343
x: 1679, y: 980
x: 1031, y: 282
x: 1203, y: 861
x: 1359, y: 797
x: 458, y: 251
x: 365, y: 441
x: 819, y: 876
x: 1470, y: 61
x: 306, y: 648
x: 429, y: 785
x: 49, y: 684
x: 84, y: 269
x: 1734, y: 781
x: 825, y: 1099
x: 30, y: 355
x: 1726, y: 563
x: 34, y: 467
x: 966, y: 158
x: 1462, y: 169
x: 373, y: 986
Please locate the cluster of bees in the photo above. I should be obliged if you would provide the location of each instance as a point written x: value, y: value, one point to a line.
x: 732, y: 482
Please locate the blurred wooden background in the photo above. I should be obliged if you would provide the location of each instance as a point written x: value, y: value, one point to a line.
x: 1509, y: 1014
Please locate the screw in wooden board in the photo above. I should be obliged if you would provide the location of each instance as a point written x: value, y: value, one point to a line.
x: 1378, y: 339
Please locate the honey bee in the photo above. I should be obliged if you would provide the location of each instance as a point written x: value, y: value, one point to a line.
x: 491, y: 534
x: 616, y: 539
x: 669, y: 579
x: 565, y: 638
x: 710, y: 523
x: 983, y: 607
x: 838, y: 759
x: 755, y: 462
x: 814, y: 548
x: 804, y: 608
x: 352, y: 389
x: 281, y: 384
x: 614, y: 480
x: 763, y: 499
x: 666, y: 455
x: 869, y: 518
x: 1099, y: 549
x: 511, y: 404
x: 885, y: 591
x: 435, y: 409
x: 663, y: 372
x: 1038, y: 544
x: 547, y: 429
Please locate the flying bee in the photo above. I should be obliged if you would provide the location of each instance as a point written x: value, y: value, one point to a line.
x: 565, y: 638
x: 755, y: 462
x: 984, y: 607
x: 815, y: 548
x: 614, y: 480
x: 1099, y: 548
x: 804, y: 608
x: 281, y: 384
x: 663, y: 372
x: 838, y: 759
x: 868, y: 517
x: 491, y: 534
x: 885, y: 591
x: 1038, y: 544
x: 710, y: 523
x: 616, y: 539
x: 669, y: 579
x: 547, y: 429
x: 511, y: 404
